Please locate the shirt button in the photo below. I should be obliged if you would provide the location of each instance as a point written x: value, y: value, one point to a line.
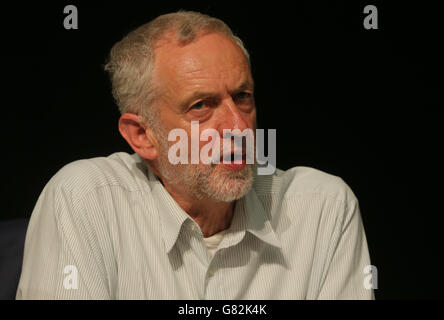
x: 211, y: 272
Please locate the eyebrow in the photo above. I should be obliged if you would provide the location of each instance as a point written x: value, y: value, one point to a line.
x: 246, y: 85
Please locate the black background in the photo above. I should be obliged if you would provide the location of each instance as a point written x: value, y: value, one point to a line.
x: 365, y: 105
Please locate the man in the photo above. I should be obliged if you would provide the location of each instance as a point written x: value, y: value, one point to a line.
x: 140, y: 227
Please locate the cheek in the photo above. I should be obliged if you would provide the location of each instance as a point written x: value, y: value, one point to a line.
x: 206, y: 150
x: 252, y: 120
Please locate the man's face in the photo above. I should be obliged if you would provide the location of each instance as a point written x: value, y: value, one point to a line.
x: 209, y: 81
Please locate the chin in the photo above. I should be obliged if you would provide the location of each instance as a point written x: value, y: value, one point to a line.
x: 227, y: 185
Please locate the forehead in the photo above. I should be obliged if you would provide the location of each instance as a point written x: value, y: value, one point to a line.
x: 212, y: 59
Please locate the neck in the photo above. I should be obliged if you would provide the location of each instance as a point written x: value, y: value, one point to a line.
x: 211, y: 216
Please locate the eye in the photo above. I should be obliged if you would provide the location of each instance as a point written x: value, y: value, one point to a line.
x: 242, y: 95
x: 198, y: 106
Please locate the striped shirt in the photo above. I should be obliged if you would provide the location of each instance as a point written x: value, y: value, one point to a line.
x: 106, y: 228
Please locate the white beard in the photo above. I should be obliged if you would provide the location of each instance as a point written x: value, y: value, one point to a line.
x: 205, y: 181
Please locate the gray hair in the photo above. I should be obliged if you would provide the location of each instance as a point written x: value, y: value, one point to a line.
x: 131, y: 60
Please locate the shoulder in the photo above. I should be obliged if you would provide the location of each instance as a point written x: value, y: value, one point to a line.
x: 83, y: 176
x: 304, y: 181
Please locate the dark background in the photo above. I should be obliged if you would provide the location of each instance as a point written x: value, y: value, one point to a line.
x: 365, y: 105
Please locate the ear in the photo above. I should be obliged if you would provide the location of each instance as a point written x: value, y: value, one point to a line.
x: 138, y: 135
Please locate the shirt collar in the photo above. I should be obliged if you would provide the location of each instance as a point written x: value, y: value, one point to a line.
x: 171, y: 215
x: 258, y: 222
x: 249, y: 215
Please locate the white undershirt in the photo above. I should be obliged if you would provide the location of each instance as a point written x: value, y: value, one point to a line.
x: 213, y: 241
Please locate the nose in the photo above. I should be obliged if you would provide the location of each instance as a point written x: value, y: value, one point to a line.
x: 231, y: 117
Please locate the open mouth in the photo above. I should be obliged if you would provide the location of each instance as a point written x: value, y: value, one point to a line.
x: 232, y: 162
x: 240, y: 157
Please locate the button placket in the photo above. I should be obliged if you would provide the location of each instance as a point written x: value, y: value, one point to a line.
x: 214, y: 282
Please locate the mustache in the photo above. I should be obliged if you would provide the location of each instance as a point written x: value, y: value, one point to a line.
x: 229, y: 150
